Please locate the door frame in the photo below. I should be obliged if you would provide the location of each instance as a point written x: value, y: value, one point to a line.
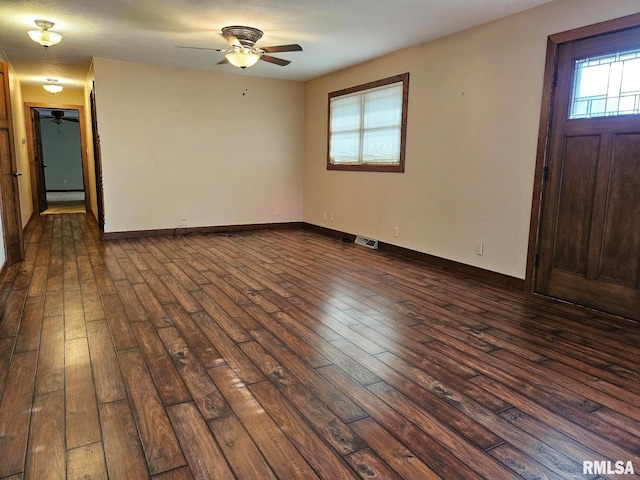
x: 31, y: 149
x: 544, y: 132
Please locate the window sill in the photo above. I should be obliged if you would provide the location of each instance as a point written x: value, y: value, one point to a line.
x: 352, y: 167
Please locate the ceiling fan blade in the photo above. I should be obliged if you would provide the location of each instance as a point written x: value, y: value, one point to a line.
x: 231, y: 40
x: 294, y: 47
x: 222, y: 62
x: 199, y: 48
x: 278, y: 61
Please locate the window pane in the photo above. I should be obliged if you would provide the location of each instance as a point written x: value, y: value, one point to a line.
x: 594, y: 81
x: 345, y: 147
x: 381, y: 145
x: 631, y: 77
x: 383, y: 108
x: 345, y: 113
x: 628, y: 103
x: 606, y: 85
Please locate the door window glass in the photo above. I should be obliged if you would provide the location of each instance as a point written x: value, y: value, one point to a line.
x: 606, y: 85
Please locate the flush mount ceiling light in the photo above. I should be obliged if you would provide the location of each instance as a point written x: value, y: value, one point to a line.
x: 43, y: 36
x: 52, y: 86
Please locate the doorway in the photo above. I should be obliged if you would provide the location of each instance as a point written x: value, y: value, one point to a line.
x: 58, y: 159
x: 586, y: 202
x: 59, y: 137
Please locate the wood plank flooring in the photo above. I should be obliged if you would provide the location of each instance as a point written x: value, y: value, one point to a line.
x: 288, y: 355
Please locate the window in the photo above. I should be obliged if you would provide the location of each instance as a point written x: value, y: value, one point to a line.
x: 367, y: 126
x: 606, y: 85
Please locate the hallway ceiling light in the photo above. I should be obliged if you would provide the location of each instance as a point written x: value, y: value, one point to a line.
x: 52, y: 86
x: 43, y: 36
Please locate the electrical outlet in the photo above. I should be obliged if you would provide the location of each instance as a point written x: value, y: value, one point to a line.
x: 396, y: 232
x: 331, y: 217
x: 277, y: 212
x: 479, y: 248
x: 183, y: 215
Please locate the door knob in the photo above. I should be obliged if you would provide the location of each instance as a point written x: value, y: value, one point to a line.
x: 17, y: 174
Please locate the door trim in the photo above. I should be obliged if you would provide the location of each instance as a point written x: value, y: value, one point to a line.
x: 31, y: 149
x: 544, y: 131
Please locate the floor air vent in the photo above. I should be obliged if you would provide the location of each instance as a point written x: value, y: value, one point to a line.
x: 367, y: 242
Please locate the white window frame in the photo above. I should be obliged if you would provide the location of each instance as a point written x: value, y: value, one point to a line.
x: 395, y: 166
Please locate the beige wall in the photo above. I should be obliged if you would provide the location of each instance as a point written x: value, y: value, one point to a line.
x: 474, y: 109
x: 68, y: 96
x: 22, y: 159
x: 22, y: 154
x: 179, y: 140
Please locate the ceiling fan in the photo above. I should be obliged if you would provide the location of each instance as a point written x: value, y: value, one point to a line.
x: 57, y: 117
x: 242, y: 51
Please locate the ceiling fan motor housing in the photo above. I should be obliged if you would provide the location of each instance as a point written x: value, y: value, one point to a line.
x: 247, y: 36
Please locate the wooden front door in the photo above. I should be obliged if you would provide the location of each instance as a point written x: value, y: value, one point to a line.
x: 9, y: 195
x: 589, y: 249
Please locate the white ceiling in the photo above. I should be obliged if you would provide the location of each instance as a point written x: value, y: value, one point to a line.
x: 333, y: 33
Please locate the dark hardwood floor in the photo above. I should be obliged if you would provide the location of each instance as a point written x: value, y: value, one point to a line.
x: 285, y: 354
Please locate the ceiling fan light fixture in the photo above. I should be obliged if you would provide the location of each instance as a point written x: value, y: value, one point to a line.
x: 242, y: 57
x: 43, y: 36
x: 52, y: 86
